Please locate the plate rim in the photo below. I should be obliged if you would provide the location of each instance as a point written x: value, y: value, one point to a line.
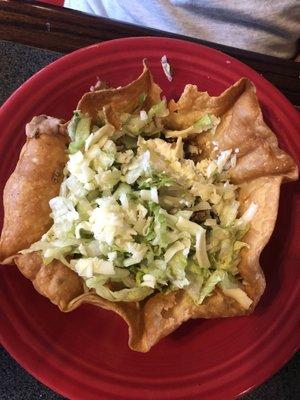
x: 60, y: 62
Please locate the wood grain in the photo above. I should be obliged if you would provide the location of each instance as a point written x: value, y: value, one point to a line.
x: 64, y: 30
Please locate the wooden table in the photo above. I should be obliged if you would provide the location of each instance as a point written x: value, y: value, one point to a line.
x: 65, y: 30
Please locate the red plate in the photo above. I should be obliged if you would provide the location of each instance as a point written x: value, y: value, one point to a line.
x: 84, y: 354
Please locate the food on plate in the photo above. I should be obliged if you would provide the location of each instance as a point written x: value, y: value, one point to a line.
x: 156, y: 210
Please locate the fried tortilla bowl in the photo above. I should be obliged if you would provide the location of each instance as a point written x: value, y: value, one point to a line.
x: 260, y: 169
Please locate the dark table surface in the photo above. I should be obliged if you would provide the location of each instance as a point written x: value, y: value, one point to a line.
x: 63, y: 31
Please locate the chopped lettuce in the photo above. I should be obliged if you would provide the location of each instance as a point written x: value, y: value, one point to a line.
x: 176, y: 270
x: 79, y: 131
x: 133, y: 216
x: 206, y: 123
x: 156, y: 179
x: 142, y: 97
x: 231, y: 288
x: 209, y: 285
x: 127, y: 294
x: 72, y: 125
x: 145, y: 123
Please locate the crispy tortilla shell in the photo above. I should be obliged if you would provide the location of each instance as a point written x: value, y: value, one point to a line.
x: 36, y: 179
x: 193, y: 104
x: 161, y: 314
x: 260, y: 169
x: 142, y: 92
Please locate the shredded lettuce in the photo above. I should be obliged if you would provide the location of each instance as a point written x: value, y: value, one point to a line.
x: 209, y: 285
x: 134, y: 216
x: 176, y: 269
x: 231, y: 288
x: 79, y: 131
x: 72, y: 125
x: 127, y: 295
x: 142, y: 97
x: 145, y: 123
x: 205, y: 123
x: 156, y: 179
